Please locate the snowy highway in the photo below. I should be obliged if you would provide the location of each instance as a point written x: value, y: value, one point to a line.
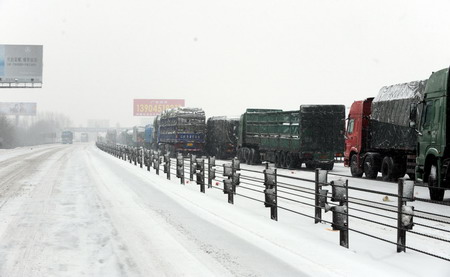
x: 73, y: 210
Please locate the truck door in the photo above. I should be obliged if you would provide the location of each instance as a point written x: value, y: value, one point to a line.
x: 352, y: 138
x: 428, y: 132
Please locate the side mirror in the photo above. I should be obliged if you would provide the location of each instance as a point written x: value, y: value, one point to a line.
x: 412, y: 115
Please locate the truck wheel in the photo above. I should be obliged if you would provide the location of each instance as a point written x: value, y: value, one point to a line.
x: 328, y: 166
x: 309, y: 165
x: 436, y: 193
x: 239, y: 155
x: 370, y: 167
x: 244, y: 154
x: 291, y: 160
x: 250, y: 156
x: 354, y: 168
x: 277, y: 159
x: 256, y: 157
x: 387, y: 169
x: 283, y: 158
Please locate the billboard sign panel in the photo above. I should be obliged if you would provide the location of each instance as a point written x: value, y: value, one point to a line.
x: 17, y: 108
x: 152, y: 107
x: 20, y: 63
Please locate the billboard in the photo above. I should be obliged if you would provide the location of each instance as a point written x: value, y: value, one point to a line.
x: 20, y: 63
x: 17, y: 108
x: 152, y: 107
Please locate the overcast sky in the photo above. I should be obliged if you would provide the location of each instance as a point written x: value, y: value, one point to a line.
x: 222, y: 56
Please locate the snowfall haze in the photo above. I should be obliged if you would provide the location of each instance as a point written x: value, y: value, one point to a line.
x: 222, y: 56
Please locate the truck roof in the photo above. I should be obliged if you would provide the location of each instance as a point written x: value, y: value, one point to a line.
x: 409, y: 90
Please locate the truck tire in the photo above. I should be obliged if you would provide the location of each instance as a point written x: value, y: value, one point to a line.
x: 354, y: 167
x: 436, y: 193
x: 387, y: 169
x: 328, y: 166
x: 283, y: 159
x: 291, y: 160
x: 245, y: 154
x: 250, y: 156
x: 371, y: 167
x: 239, y: 154
x: 257, y: 157
x: 309, y: 165
x: 277, y: 159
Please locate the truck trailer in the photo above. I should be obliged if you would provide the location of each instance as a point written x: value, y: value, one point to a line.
x: 181, y: 130
x: 403, y: 131
x: 221, y: 139
x: 312, y: 135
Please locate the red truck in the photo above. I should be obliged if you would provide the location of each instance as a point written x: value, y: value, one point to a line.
x: 378, y: 136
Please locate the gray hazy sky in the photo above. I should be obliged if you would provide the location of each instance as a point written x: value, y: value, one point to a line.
x: 222, y: 56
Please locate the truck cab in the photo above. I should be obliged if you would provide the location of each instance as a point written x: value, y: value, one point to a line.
x: 433, y: 154
x: 357, y: 124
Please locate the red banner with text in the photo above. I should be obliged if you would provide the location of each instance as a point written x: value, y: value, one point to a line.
x: 152, y: 107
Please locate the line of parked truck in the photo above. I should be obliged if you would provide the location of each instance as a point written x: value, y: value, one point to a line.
x: 402, y: 131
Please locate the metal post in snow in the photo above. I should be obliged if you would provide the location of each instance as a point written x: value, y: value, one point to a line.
x: 401, y: 233
x: 343, y: 234
x: 274, y: 208
x: 317, y: 209
x: 182, y: 176
x: 202, y: 173
x: 168, y: 168
x: 191, y: 165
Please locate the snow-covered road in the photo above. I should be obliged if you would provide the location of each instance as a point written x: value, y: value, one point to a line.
x: 73, y: 210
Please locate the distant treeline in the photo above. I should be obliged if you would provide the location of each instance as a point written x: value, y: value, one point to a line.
x: 41, y: 129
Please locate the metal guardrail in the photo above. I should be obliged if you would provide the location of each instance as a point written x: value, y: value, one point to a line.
x: 277, y: 192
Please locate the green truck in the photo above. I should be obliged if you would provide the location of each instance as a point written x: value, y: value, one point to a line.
x: 313, y: 135
x: 430, y: 120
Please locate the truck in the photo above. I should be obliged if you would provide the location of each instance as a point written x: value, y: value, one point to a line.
x: 312, y: 135
x: 148, y: 136
x: 181, y: 130
x: 138, y: 136
x: 403, y: 131
x: 378, y: 137
x: 66, y: 137
x: 221, y: 137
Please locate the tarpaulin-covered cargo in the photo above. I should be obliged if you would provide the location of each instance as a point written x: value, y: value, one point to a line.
x: 221, y: 138
x: 313, y: 134
x: 181, y: 130
x: 389, y: 122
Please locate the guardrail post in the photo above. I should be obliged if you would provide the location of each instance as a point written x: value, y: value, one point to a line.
x: 343, y: 234
x: 157, y: 161
x: 180, y: 168
x: 320, y: 180
x: 340, y: 212
x: 168, y: 167
x: 200, y: 173
x: 270, y: 192
x: 274, y: 208
x: 228, y: 183
x: 211, y: 170
x: 192, y: 158
x: 404, y: 213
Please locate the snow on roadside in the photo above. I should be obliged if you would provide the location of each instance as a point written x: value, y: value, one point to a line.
x: 294, y: 239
